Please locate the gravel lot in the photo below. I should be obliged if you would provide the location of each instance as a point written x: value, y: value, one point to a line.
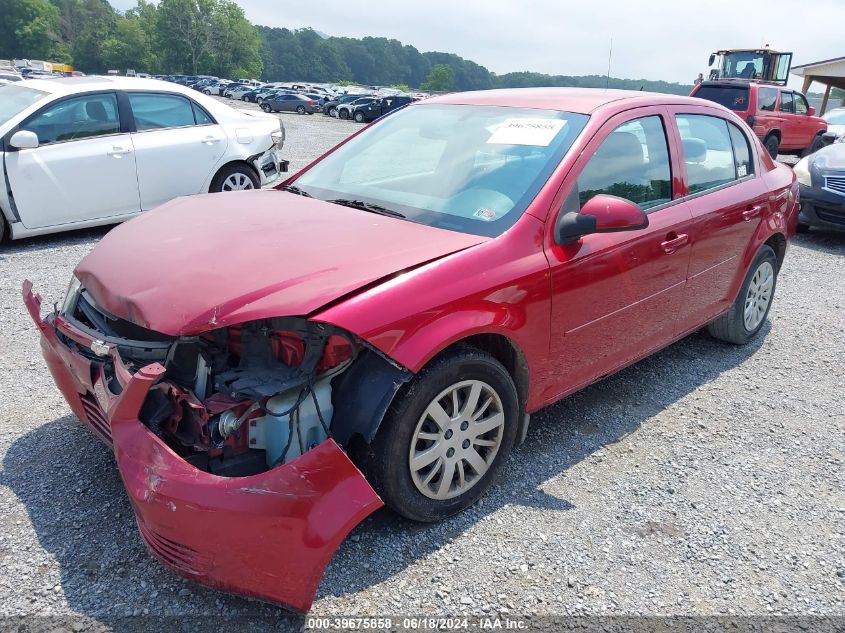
x: 707, y: 479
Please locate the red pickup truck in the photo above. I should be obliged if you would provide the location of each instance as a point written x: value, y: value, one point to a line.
x: 781, y: 118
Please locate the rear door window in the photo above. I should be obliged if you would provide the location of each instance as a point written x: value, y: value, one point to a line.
x: 732, y: 97
x: 742, y: 152
x: 767, y: 99
x: 707, y: 150
x: 159, y: 111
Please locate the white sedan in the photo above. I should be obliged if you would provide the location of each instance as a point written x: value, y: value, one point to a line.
x: 85, y: 151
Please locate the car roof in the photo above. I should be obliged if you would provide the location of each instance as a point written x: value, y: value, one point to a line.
x: 70, y: 85
x: 578, y: 100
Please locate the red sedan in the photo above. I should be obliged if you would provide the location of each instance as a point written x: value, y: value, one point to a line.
x: 270, y: 367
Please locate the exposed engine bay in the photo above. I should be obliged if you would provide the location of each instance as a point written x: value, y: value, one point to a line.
x: 240, y: 400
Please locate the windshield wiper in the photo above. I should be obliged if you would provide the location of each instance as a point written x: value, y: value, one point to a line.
x: 368, y: 206
x: 297, y: 191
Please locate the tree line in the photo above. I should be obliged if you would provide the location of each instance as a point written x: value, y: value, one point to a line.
x: 213, y: 37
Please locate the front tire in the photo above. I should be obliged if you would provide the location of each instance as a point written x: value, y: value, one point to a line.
x: 359, y: 117
x: 445, y: 437
x: 332, y: 112
x: 746, y: 316
x: 237, y: 177
x: 266, y: 107
x: 300, y: 109
x: 343, y: 114
x: 245, y: 98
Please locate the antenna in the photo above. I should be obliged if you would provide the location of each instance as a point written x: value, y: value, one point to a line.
x: 609, y: 59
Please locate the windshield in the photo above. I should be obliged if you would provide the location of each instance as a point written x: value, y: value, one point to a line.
x: 837, y: 117
x: 732, y: 97
x: 473, y: 169
x: 14, y: 99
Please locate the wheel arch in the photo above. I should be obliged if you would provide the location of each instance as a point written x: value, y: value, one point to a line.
x: 777, y: 242
x: 773, y: 132
x: 497, y: 345
x: 237, y: 161
x: 507, y: 352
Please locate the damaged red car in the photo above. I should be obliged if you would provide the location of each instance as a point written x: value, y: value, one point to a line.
x: 270, y: 367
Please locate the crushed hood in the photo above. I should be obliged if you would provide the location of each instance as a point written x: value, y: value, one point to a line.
x: 203, y: 262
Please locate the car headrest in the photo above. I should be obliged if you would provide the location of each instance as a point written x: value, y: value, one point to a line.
x: 622, y: 145
x: 96, y: 111
x: 695, y: 150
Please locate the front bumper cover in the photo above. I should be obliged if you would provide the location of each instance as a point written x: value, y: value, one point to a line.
x: 822, y: 207
x: 268, y: 536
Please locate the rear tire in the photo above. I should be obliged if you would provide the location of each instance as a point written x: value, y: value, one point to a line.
x: 236, y: 177
x: 266, y: 107
x: 748, y: 313
x: 466, y: 387
x: 245, y: 98
x: 332, y: 111
x: 771, y: 143
x: 343, y: 114
x: 359, y: 117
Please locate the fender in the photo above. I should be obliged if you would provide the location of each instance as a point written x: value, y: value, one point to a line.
x: 415, y: 316
x: 782, y: 219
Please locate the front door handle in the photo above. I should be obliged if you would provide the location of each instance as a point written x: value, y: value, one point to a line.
x: 673, y: 242
x: 752, y: 212
x: 117, y: 151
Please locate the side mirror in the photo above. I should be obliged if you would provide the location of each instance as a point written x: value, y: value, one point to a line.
x: 712, y: 59
x: 811, y: 111
x: 24, y: 139
x: 600, y: 214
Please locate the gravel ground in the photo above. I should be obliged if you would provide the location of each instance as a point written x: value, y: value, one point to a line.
x: 707, y: 479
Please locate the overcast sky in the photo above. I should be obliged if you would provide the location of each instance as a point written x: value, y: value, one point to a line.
x: 652, y: 39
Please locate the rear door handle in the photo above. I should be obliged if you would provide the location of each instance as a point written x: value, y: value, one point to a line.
x: 751, y: 213
x: 674, y: 242
x: 118, y: 151
x: 210, y: 140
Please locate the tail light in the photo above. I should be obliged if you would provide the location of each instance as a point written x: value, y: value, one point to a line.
x: 310, y: 102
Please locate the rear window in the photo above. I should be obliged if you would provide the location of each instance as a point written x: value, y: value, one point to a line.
x: 732, y: 97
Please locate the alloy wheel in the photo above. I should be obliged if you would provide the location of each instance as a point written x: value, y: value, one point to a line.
x: 759, y: 296
x: 456, y: 439
x: 237, y: 182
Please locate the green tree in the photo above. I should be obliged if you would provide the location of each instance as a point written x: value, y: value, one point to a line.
x: 439, y: 79
x: 30, y: 29
x: 98, y: 24
x: 184, y: 30
x: 235, y: 44
x: 128, y: 47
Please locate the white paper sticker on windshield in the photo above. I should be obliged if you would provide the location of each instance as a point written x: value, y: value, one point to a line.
x: 538, y: 132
